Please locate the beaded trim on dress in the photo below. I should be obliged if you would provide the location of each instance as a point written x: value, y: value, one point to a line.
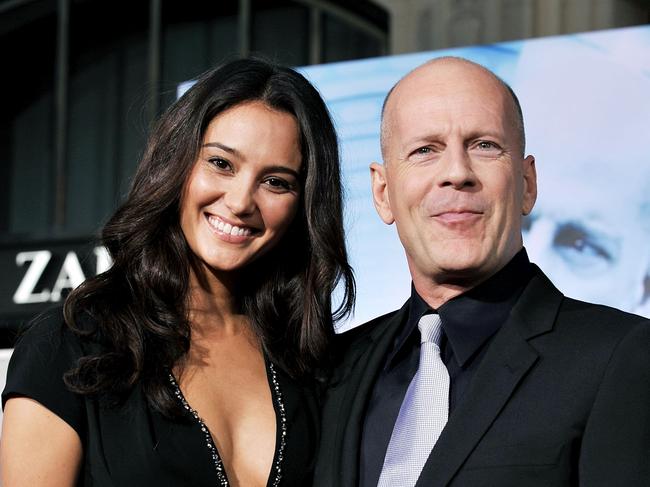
x: 218, y: 464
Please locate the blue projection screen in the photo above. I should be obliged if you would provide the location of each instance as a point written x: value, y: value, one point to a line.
x: 586, y: 104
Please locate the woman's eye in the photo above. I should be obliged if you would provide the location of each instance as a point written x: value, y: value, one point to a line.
x: 220, y: 163
x: 278, y: 183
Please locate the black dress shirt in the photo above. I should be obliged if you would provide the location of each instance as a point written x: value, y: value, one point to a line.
x: 468, y: 321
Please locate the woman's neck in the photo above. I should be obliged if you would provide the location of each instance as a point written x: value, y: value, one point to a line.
x: 214, y: 309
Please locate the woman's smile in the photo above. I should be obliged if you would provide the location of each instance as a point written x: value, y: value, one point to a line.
x: 244, y: 189
x: 236, y: 233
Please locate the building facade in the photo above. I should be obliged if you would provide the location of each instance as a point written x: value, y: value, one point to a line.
x: 84, y: 79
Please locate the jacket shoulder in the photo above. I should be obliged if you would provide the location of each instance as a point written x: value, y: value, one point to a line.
x: 600, y: 319
x: 365, y: 330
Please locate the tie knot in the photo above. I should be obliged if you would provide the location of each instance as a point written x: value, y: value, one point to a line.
x: 430, y: 326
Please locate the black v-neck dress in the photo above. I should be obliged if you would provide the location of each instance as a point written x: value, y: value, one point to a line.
x: 133, y: 445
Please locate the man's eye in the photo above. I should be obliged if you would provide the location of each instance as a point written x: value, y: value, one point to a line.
x: 423, y: 150
x: 220, y: 163
x: 487, y: 145
x: 587, y: 252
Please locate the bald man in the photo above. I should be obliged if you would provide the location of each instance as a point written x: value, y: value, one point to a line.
x: 488, y: 375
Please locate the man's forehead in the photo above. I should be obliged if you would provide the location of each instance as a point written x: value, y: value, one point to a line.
x: 615, y: 181
x: 438, y: 80
x: 445, y: 96
x: 452, y: 87
x: 444, y: 73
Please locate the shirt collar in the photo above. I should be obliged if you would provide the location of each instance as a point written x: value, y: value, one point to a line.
x: 470, y: 319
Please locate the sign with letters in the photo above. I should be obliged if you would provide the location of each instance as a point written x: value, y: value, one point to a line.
x: 38, y: 275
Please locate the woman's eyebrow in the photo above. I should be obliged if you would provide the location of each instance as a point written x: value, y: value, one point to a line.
x: 275, y: 168
x: 223, y: 147
x: 282, y: 169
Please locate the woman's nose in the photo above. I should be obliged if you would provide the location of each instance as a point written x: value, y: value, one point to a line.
x: 240, y: 197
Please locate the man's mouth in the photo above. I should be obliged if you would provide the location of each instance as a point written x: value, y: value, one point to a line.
x: 456, y: 216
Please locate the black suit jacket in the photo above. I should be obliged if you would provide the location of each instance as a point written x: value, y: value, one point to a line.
x: 562, y: 397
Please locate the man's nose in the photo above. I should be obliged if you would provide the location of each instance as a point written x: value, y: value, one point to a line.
x: 456, y: 168
x: 240, y: 197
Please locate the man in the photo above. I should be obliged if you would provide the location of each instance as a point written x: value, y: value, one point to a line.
x: 590, y: 227
x: 488, y: 375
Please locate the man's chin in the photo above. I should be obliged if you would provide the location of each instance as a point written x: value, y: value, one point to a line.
x: 465, y: 273
x: 464, y: 278
x: 460, y: 266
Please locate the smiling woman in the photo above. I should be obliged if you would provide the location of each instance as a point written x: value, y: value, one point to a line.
x: 197, y: 349
x: 244, y: 189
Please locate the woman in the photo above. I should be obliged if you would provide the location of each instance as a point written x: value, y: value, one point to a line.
x: 188, y: 362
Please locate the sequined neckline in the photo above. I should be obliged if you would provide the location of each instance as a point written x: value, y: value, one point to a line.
x: 276, y: 392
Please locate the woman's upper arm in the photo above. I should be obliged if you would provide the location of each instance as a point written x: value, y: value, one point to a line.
x: 37, y: 447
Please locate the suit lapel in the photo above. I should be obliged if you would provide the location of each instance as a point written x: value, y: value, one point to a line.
x: 506, y: 362
x: 367, y: 358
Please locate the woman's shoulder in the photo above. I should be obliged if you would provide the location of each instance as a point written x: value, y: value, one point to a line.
x: 46, y: 349
x: 49, y: 331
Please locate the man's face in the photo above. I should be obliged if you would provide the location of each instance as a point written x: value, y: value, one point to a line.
x: 594, y: 244
x: 590, y: 227
x: 454, y: 180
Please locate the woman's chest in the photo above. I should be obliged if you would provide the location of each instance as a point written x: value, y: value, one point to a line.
x: 135, y: 445
x: 243, y: 416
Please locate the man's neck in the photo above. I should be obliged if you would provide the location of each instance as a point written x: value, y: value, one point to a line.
x: 436, y: 294
x: 437, y: 290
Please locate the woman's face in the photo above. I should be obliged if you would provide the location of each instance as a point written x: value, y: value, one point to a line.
x: 243, y: 191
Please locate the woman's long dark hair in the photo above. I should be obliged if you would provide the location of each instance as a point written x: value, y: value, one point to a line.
x: 140, y: 305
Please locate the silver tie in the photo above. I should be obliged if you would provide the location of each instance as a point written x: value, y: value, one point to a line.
x: 423, y: 413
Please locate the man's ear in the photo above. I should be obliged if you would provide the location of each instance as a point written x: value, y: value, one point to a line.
x: 530, y: 185
x: 380, y: 192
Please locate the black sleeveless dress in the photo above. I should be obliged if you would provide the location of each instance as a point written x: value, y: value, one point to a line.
x: 133, y: 445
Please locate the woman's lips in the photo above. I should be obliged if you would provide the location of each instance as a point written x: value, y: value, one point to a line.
x: 230, y: 232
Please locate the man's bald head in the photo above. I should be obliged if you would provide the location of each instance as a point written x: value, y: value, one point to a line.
x: 429, y: 69
x: 454, y: 180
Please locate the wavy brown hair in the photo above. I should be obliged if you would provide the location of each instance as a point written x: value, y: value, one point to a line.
x: 139, y: 307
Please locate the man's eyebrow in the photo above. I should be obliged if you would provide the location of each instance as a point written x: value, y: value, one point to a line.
x: 479, y: 134
x: 230, y: 150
